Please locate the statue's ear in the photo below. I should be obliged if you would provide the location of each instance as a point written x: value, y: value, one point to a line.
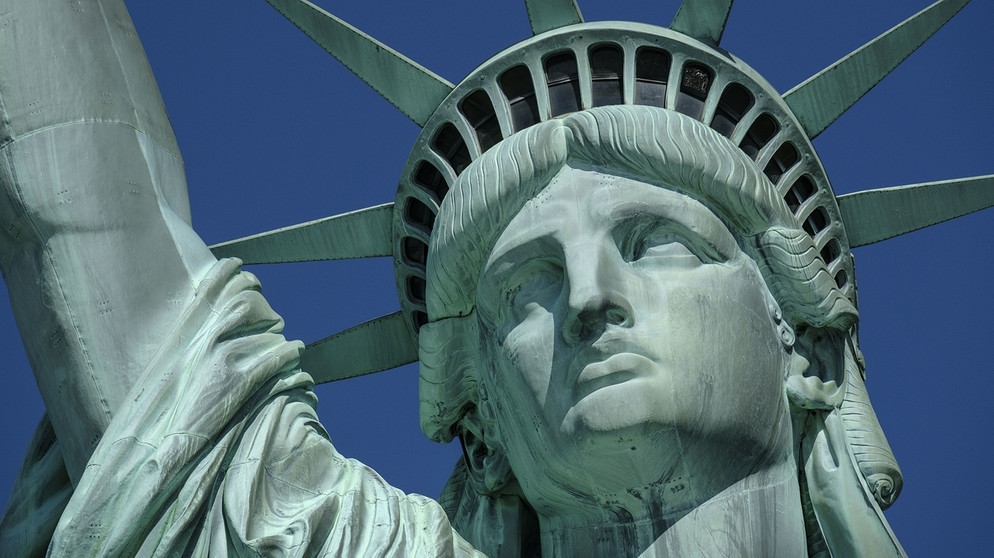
x: 488, y: 466
x: 816, y: 378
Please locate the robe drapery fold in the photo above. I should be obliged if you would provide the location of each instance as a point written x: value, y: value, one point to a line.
x: 218, y: 451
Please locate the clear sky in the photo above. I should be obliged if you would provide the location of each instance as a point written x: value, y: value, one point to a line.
x: 275, y: 132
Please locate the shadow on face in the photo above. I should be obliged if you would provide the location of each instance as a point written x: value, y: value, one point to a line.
x: 626, y: 330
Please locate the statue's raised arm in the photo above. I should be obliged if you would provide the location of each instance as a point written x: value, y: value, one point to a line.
x: 142, y: 341
x: 97, y: 249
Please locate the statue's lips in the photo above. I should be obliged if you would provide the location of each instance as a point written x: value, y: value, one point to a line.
x: 611, y: 370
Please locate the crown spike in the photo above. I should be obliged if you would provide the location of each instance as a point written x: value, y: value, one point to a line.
x: 822, y: 98
x: 407, y: 85
x: 373, y: 346
x: 365, y: 233
x: 546, y: 15
x: 874, y: 215
x: 702, y: 19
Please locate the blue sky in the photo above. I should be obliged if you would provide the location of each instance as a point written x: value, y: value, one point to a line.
x: 275, y: 132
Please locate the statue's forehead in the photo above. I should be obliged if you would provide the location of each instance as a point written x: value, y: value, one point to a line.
x: 580, y: 203
x: 637, y: 142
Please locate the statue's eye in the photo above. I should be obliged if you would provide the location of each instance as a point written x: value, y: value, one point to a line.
x: 664, y: 246
x: 537, y: 282
x: 665, y: 243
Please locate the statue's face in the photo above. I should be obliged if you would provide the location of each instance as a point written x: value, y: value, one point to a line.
x: 629, y: 336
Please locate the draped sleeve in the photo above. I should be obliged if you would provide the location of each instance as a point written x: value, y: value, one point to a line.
x: 217, y: 451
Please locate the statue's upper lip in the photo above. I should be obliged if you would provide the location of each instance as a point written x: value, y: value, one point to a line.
x: 609, y: 345
x: 608, y: 361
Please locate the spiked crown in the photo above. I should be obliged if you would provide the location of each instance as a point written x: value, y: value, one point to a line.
x: 570, y: 65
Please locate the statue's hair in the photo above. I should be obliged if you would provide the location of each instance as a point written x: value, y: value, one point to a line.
x: 654, y: 146
x: 800, y: 282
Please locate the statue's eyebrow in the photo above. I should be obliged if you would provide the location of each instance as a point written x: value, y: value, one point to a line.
x: 703, y: 225
x: 498, y: 268
x: 629, y: 232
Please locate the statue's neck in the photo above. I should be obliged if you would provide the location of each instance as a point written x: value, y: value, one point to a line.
x: 757, y: 516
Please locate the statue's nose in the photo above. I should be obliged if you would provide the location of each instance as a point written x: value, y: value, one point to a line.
x: 596, y: 292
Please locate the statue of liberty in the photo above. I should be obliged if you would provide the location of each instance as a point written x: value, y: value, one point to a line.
x: 620, y: 264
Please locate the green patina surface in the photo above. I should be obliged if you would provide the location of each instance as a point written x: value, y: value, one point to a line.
x: 595, y: 247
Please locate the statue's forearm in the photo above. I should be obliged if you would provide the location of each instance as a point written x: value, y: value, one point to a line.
x: 95, y: 245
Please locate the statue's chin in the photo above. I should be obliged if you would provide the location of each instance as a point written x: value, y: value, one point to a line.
x: 647, y: 473
x: 623, y: 448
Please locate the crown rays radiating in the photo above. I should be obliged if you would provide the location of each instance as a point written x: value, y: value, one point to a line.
x: 407, y: 85
x: 703, y: 20
x: 869, y: 216
x: 546, y: 15
x: 822, y: 98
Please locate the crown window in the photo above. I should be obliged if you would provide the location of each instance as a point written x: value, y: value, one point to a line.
x: 430, y: 180
x: 564, y: 87
x: 517, y: 86
x: 416, y: 289
x: 783, y: 159
x: 607, y: 64
x: 799, y: 192
x: 420, y: 319
x: 816, y: 222
x: 652, y: 69
x: 695, y: 83
x: 759, y: 134
x: 419, y: 215
x: 735, y: 101
x: 479, y: 111
x: 842, y: 278
x: 449, y: 144
x: 415, y: 252
x: 831, y: 251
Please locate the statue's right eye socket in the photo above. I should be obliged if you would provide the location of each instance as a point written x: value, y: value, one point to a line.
x: 537, y: 282
x: 654, y: 241
x: 664, y: 250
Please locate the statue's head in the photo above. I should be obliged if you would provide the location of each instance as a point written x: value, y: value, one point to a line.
x: 622, y: 309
